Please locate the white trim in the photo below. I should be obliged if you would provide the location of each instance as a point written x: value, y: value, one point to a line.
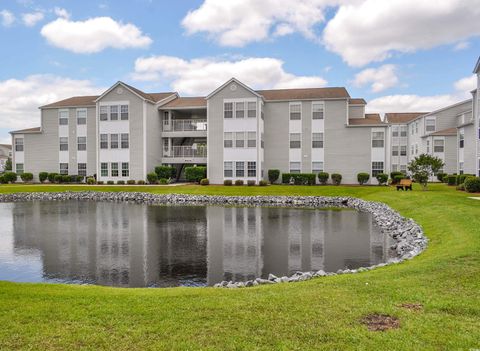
x: 232, y: 80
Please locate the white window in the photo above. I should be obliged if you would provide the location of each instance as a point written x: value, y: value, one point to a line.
x: 377, y: 167
x: 394, y: 150
x: 104, y: 169
x: 378, y: 139
x: 430, y: 124
x: 317, y: 140
x: 403, y: 168
x: 461, y: 138
x: 403, y: 131
x: 63, y: 117
x: 317, y: 167
x: 395, y: 131
x: 63, y: 168
x: 81, y: 116
x: 124, y: 112
x: 252, y: 169
x: 63, y: 144
x: 228, y: 110
x: 228, y: 169
x: 251, y: 139
x: 103, y: 113
x: 438, y: 145
x: 295, y: 141
x: 240, y: 139
x: 240, y: 169
x: 295, y: 112
x: 82, y: 169
x: 394, y: 167
x: 403, y: 150
x: 82, y: 143
x: 19, y: 168
x: 317, y: 110
x: 295, y: 167
x: 252, y: 109
x: 19, y: 144
x: 239, y: 109
x: 124, y: 141
x: 113, y: 141
x: 114, y: 169
x: 114, y: 113
x: 166, y: 145
x: 103, y: 141
x: 416, y: 127
x: 125, y: 169
x: 227, y: 139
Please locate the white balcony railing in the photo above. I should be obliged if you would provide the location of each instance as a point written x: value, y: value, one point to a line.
x: 185, y: 125
x: 187, y: 152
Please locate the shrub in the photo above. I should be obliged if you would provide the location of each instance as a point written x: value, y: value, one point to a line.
x: 394, y: 176
x: 26, y: 177
x: 251, y: 182
x: 120, y: 182
x: 472, y: 185
x: 336, y: 178
x: 141, y: 182
x: 66, y: 178
x: 163, y: 181
x: 3, y: 180
x: 382, y: 178
x: 130, y: 182
x: 452, y: 179
x: 363, y: 178
x: 273, y: 175
x: 57, y: 178
x: 299, y: 178
x: 51, y: 177
x: 239, y: 182
x: 165, y: 172
x: 90, y: 180
x: 440, y: 176
x: 204, y: 181
x: 263, y: 183
x: 10, y: 177
x: 152, y: 178
x: 398, y: 178
x: 461, y: 187
x: 100, y: 182
x: 227, y: 182
x: 195, y: 174
x: 42, y: 176
x: 80, y: 178
x: 323, y: 177
x: 110, y: 182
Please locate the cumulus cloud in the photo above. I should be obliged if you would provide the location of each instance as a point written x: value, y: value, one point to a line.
x: 20, y: 98
x: 31, y: 19
x: 93, y: 35
x: 7, y: 18
x: 203, y: 75
x: 61, y: 12
x: 372, y: 30
x: 379, y: 79
x: 466, y: 84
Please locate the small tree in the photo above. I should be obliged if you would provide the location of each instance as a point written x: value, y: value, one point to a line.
x: 273, y: 175
x: 363, y: 178
x: 8, y: 164
x: 423, y: 167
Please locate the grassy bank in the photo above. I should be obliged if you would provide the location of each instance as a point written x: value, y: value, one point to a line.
x: 318, y: 314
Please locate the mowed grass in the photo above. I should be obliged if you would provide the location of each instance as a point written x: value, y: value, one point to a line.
x: 321, y: 314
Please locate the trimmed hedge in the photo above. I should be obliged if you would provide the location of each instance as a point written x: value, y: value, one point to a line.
x: 394, y: 176
x: 239, y: 182
x: 204, y: 181
x: 323, y: 177
x: 165, y: 172
x: 10, y: 177
x: 362, y: 178
x: 120, y: 182
x: 299, y: 178
x: 250, y: 182
x: 130, y: 182
x: 440, y: 176
x: 141, y: 182
x: 3, y: 180
x: 227, y: 182
x: 163, y: 181
x: 452, y: 179
x: 90, y: 180
x: 263, y: 183
x: 100, y: 182
x: 152, y: 178
x: 42, y: 176
x: 110, y: 182
x: 26, y: 177
x: 382, y: 178
x: 273, y: 175
x: 472, y: 185
x: 336, y: 178
x: 195, y: 174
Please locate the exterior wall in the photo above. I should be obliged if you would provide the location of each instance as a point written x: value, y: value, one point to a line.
x: 356, y: 111
x: 399, y: 142
x: 450, y: 155
x: 276, y: 136
x: 154, y: 138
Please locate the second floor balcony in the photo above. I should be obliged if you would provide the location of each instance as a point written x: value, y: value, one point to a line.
x: 185, y: 125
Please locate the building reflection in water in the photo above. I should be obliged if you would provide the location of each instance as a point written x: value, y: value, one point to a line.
x: 132, y: 245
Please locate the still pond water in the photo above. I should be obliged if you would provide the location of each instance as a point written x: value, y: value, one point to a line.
x: 130, y: 245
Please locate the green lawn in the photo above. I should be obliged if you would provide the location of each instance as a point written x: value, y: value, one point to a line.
x: 318, y: 314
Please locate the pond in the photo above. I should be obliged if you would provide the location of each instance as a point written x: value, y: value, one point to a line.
x: 133, y: 245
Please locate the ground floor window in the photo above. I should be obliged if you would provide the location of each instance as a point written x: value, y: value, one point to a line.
x: 252, y: 169
x: 295, y: 167
x: 460, y: 167
x: 114, y: 169
x: 317, y: 167
x: 125, y: 169
x: 240, y: 169
x: 394, y: 167
x: 403, y: 169
x: 19, y: 168
x: 377, y: 167
x: 63, y: 168
x: 104, y: 169
x: 228, y: 169
x: 82, y: 169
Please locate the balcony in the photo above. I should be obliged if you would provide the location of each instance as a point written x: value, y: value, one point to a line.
x: 185, y: 125
x: 186, y: 154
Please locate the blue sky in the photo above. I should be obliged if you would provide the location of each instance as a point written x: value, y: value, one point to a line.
x: 399, y: 55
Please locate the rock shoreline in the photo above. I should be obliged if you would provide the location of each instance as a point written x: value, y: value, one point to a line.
x: 409, y: 239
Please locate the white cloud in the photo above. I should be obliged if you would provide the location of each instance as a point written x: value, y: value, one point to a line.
x: 31, y: 19
x: 202, y: 76
x: 372, y: 30
x: 61, y: 12
x: 379, y: 79
x: 463, y: 45
x: 466, y: 84
x: 238, y: 22
x: 7, y: 18
x: 20, y: 98
x: 94, y: 35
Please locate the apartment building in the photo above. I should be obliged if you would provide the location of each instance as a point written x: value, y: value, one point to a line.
x: 5, y: 154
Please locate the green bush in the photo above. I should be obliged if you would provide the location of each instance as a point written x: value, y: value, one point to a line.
x: 165, y: 172
x: 141, y: 182
x: 263, y: 183
x: 57, y: 178
x: 3, y: 180
x: 323, y: 177
x: 251, y: 182
x: 152, y: 178
x: 382, y: 178
x: 440, y: 176
x: 394, y: 177
x: 239, y: 182
x: 460, y: 179
x: 130, y: 182
x: 452, y: 179
x: 461, y: 187
x: 163, y: 181
x: 10, y: 177
x: 100, y: 182
x: 90, y: 180
x: 120, y: 182
x: 51, y: 177
x: 227, y: 182
x: 204, y: 181
x: 273, y: 175
x: 336, y: 178
x: 195, y: 174
x: 26, y: 177
x: 110, y: 182
x: 66, y: 178
x: 362, y: 178
x: 80, y: 178
x: 299, y: 178
x: 42, y: 176
x: 472, y: 185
